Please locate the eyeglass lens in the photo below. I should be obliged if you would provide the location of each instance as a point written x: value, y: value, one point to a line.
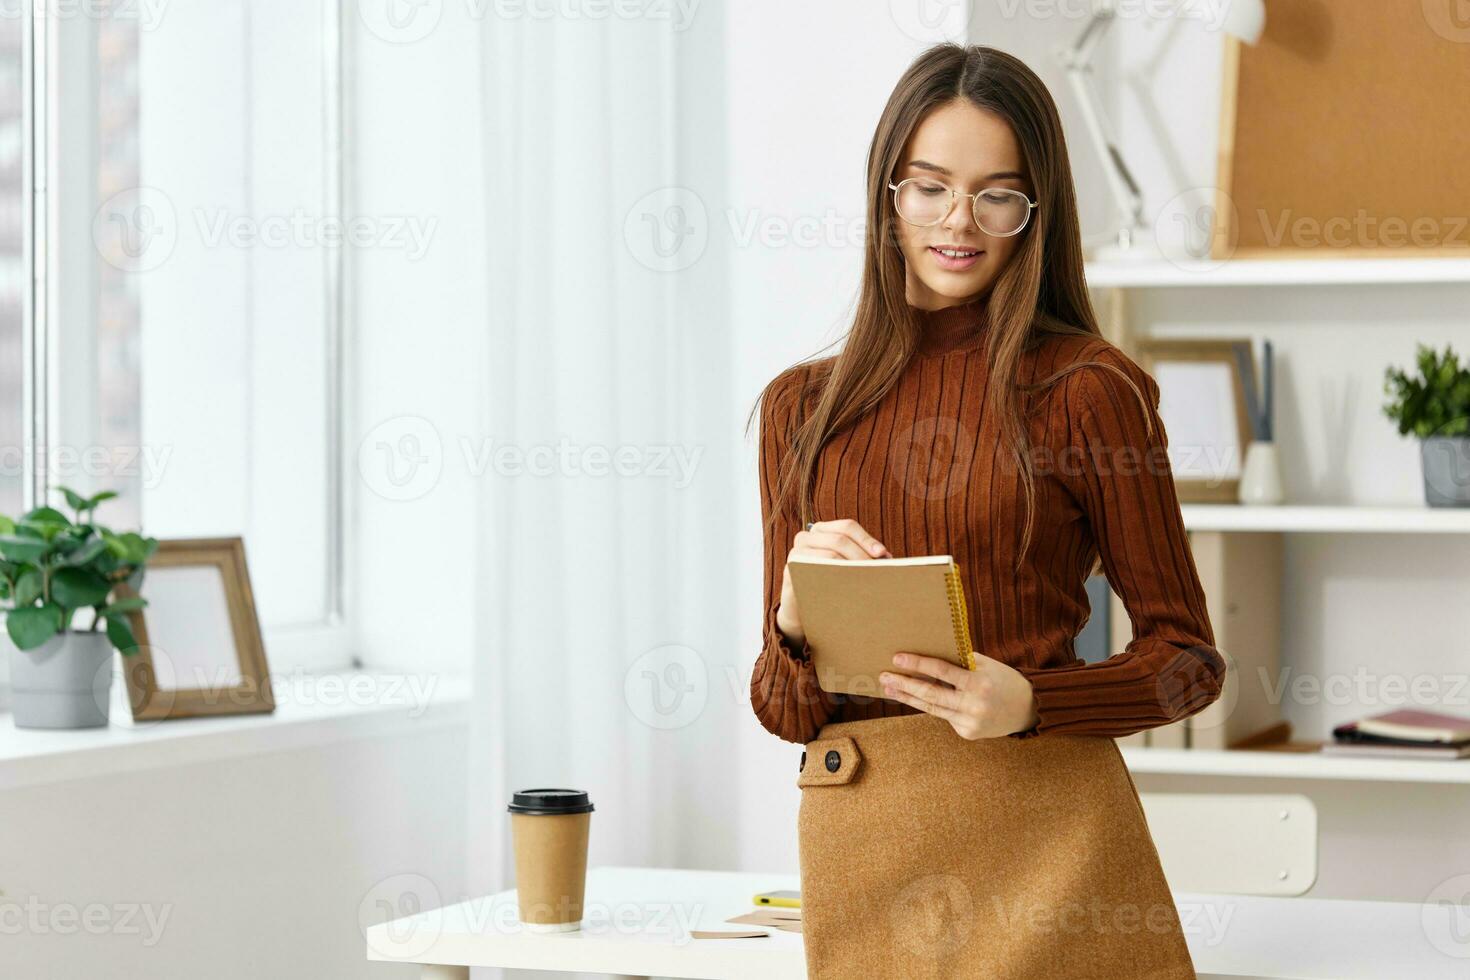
x: 998, y: 211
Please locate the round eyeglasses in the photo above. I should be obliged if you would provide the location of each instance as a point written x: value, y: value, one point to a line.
x: 998, y: 211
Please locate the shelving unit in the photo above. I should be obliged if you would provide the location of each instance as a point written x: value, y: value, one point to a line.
x: 1327, y: 519
x: 1294, y: 762
x: 1117, y: 276
x: 1155, y: 272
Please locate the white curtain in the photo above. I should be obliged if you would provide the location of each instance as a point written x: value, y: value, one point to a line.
x: 603, y: 581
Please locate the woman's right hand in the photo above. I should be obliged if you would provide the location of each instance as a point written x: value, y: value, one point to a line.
x: 843, y: 538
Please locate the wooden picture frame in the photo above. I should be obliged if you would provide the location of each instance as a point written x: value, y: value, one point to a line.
x: 199, y: 643
x: 1203, y: 407
x: 1343, y: 133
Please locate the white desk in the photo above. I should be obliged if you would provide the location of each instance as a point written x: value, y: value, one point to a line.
x: 637, y: 923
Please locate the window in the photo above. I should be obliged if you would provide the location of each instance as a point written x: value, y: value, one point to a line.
x: 12, y: 265
x: 194, y: 331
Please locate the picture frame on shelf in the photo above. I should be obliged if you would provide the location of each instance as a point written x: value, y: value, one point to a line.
x: 200, y: 650
x: 1202, y: 402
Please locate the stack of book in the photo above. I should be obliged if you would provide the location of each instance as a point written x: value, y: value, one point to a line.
x: 1403, y: 734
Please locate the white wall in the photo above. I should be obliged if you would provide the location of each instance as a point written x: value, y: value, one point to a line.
x: 255, y: 867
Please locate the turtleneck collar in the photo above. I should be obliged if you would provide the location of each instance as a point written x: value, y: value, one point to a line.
x: 954, y: 327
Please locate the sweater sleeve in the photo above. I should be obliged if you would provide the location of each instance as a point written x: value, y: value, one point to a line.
x: 783, y: 686
x: 1116, y: 466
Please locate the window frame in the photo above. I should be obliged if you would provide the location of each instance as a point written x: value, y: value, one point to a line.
x: 326, y: 643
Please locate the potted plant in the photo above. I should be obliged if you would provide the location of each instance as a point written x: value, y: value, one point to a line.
x: 1435, y: 406
x: 51, y: 568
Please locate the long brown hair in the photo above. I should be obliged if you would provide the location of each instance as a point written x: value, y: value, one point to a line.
x: 1041, y: 290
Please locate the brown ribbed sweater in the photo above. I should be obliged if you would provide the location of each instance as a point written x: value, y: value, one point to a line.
x: 925, y: 472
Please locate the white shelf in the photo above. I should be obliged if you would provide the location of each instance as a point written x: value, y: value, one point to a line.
x: 1155, y: 272
x: 1294, y: 765
x: 1327, y: 519
x: 315, y: 709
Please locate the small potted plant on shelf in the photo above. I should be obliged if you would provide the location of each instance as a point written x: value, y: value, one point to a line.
x: 53, y: 567
x: 1435, y: 406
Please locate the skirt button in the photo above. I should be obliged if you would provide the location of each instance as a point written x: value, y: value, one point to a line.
x: 834, y: 761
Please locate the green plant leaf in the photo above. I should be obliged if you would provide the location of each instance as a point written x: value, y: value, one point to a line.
x: 115, y: 545
x: 130, y: 604
x: 7, y: 526
x: 99, y: 497
x: 22, y: 550
x: 138, y: 547
x: 131, y: 547
x: 49, y: 515
x: 87, y: 553
x: 76, y: 587
x: 120, y: 635
x: 33, y: 626
x: 74, y: 500
x: 28, y: 586
x: 1434, y: 403
x: 42, y: 530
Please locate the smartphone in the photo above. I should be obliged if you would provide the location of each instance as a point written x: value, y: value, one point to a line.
x: 785, y: 899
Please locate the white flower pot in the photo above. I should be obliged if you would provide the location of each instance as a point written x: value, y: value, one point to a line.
x: 1260, y: 477
x: 64, y: 683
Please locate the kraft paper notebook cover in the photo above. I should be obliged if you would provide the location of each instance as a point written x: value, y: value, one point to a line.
x: 858, y: 614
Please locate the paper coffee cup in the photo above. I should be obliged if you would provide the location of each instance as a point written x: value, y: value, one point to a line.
x: 550, y: 829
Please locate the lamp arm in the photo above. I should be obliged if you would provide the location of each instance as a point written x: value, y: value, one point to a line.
x: 1077, y: 61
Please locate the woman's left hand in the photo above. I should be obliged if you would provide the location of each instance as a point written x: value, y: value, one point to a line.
x: 993, y: 699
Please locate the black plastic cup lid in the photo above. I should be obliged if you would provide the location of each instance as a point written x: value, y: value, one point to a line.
x: 550, y: 801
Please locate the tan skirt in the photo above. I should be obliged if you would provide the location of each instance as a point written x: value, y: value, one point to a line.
x: 924, y: 854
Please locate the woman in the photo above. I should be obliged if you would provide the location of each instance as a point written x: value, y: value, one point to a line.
x: 976, y: 411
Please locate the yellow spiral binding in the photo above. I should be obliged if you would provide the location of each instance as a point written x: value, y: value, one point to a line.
x: 960, y: 616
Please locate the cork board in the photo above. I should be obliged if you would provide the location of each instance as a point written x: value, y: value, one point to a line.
x: 1346, y: 131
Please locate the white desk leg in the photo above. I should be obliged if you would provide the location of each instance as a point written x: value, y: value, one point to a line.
x: 434, y: 972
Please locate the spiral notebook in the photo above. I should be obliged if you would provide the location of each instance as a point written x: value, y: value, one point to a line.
x: 858, y: 614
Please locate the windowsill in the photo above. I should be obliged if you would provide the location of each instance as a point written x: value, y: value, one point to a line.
x: 316, y: 709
